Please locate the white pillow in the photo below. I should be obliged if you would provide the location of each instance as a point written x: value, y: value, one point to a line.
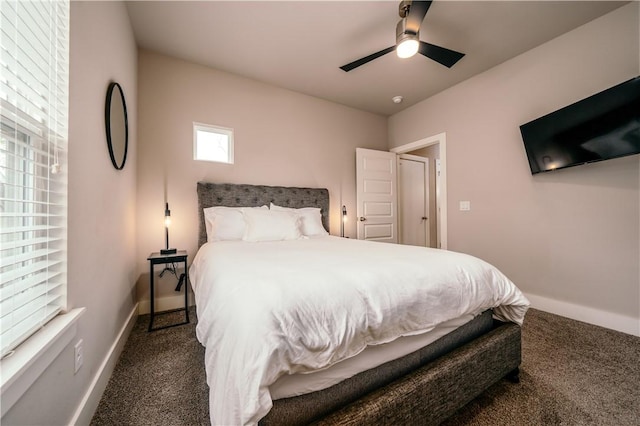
x: 268, y: 225
x: 310, y: 219
x: 226, y: 223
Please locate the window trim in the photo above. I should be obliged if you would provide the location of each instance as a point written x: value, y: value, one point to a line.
x: 227, y: 131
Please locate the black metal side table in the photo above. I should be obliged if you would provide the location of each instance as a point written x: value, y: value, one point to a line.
x: 165, y: 259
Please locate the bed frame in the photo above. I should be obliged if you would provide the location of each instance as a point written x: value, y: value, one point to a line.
x: 434, y: 388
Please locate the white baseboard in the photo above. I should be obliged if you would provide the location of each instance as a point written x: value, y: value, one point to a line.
x: 166, y: 303
x: 91, y: 399
x: 586, y: 314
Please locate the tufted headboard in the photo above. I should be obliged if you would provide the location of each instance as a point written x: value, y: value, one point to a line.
x: 241, y: 195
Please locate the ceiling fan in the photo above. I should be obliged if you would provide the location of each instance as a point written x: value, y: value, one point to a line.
x: 408, y: 41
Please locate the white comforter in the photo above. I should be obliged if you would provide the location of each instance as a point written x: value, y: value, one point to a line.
x: 271, y: 308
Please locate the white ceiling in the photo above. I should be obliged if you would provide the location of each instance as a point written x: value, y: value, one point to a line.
x: 300, y: 45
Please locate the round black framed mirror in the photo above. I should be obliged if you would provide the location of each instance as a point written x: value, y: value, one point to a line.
x: 117, y: 126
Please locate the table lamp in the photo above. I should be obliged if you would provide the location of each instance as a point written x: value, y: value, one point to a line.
x: 167, y: 222
x: 344, y: 219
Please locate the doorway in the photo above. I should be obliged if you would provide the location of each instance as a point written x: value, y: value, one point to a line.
x: 439, y: 198
x: 376, y: 195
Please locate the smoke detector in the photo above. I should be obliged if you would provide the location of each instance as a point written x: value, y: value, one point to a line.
x: 397, y: 99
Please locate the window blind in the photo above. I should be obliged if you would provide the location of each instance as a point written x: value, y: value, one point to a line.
x: 34, y: 40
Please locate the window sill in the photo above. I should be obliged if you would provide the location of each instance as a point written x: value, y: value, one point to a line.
x: 19, y: 371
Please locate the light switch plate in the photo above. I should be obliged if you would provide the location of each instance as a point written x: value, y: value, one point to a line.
x: 465, y: 206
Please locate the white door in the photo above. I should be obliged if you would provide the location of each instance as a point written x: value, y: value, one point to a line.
x: 413, y: 203
x: 376, y: 194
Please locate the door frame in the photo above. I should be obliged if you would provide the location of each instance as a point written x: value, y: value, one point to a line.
x: 425, y: 164
x: 441, y: 199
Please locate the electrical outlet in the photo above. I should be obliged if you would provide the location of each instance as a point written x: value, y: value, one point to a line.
x: 78, y: 356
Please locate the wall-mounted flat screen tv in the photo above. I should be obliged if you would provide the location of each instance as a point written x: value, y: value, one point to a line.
x: 600, y: 127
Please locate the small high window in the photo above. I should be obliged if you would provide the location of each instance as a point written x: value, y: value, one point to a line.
x: 212, y: 143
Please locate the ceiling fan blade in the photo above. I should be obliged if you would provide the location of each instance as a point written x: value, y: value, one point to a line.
x: 362, y: 61
x: 417, y: 12
x: 446, y: 57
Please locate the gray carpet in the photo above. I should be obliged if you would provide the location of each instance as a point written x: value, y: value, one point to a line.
x: 572, y: 374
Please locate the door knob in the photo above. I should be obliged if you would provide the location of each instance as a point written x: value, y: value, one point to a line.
x: 362, y: 219
x: 424, y: 218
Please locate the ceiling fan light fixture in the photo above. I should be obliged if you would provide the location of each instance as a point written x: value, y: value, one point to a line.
x: 407, y: 41
x: 407, y: 48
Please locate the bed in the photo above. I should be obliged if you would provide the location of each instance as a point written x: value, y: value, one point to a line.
x: 253, y: 353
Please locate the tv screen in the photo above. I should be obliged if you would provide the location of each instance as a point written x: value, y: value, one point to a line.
x: 600, y: 127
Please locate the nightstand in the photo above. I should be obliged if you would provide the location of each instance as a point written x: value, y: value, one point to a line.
x: 165, y: 259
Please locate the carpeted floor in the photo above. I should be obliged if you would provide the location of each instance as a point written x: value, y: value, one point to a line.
x: 572, y: 373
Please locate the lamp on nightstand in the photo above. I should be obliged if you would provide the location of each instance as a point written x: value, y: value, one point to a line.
x: 344, y: 219
x: 167, y: 222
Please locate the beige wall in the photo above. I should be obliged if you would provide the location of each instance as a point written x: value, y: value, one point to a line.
x: 569, y: 235
x: 281, y: 138
x: 101, y: 238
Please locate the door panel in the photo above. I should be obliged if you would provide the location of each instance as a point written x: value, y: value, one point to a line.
x: 373, y: 164
x: 378, y: 209
x: 377, y: 198
x: 378, y: 232
x: 381, y: 187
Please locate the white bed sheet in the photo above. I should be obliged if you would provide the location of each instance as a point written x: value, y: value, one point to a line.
x: 291, y: 385
x: 273, y: 308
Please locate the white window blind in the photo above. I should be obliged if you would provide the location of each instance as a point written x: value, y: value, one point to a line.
x: 34, y: 38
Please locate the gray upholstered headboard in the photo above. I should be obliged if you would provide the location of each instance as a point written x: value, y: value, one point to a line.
x: 238, y: 195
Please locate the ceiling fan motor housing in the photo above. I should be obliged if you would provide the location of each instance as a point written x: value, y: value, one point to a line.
x: 402, y: 33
